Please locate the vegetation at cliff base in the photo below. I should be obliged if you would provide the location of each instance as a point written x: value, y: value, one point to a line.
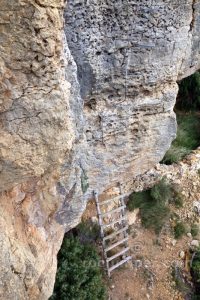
x: 79, y: 275
x: 179, y: 230
x: 152, y: 203
x: 189, y: 93
x: 194, y: 230
x: 188, y: 120
x: 188, y: 138
x: 154, y: 206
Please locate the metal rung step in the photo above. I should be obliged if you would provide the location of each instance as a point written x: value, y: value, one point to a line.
x: 110, y: 236
x: 117, y: 254
x: 113, y: 211
x: 114, y: 222
x: 113, y: 199
x: 119, y: 263
x: 116, y: 244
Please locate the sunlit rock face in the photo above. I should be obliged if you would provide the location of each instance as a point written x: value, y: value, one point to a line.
x: 129, y: 57
x: 83, y: 106
x: 38, y: 138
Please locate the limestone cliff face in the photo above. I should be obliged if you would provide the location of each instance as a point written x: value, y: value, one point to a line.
x: 130, y: 55
x: 37, y: 140
x: 80, y: 118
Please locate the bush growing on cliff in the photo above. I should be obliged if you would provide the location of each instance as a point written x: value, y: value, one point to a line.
x: 138, y: 200
x: 194, y: 230
x: 78, y: 276
x: 188, y: 133
x: 179, y: 230
x: 152, y: 204
x: 162, y: 191
x: 188, y: 138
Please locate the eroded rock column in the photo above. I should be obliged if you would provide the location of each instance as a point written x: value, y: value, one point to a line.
x: 37, y: 135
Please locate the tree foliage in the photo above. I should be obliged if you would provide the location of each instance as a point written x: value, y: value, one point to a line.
x: 78, y: 276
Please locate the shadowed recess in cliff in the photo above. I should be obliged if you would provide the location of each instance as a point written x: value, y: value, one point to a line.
x: 188, y: 116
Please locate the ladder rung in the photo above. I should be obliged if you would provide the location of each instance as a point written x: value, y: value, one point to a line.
x: 113, y: 211
x: 114, y: 222
x: 119, y: 264
x: 116, y: 244
x: 113, y: 199
x: 110, y: 236
x: 117, y: 254
x: 110, y: 200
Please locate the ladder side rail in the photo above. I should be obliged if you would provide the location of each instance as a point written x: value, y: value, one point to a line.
x: 102, y: 232
x: 123, y: 212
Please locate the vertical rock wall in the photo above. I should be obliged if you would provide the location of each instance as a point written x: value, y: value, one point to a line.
x: 36, y: 126
x: 37, y: 140
x: 130, y: 55
x: 74, y: 121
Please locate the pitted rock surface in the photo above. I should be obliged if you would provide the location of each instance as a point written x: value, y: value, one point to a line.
x: 129, y: 56
x: 83, y: 118
x: 36, y: 127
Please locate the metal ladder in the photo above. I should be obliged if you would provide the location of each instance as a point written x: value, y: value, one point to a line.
x: 122, y: 255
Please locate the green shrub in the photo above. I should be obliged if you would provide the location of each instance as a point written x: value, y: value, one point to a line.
x: 155, y: 216
x: 196, y: 269
x: 175, y: 154
x: 162, y: 191
x: 194, y: 230
x: 139, y: 199
x: 152, y: 204
x: 188, y: 133
x: 179, y: 230
x: 78, y: 275
x: 188, y: 138
x: 178, y: 200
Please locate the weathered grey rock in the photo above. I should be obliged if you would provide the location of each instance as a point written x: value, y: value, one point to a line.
x: 129, y: 57
x: 196, y: 205
x: 195, y: 243
x: 74, y: 122
x: 39, y: 117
